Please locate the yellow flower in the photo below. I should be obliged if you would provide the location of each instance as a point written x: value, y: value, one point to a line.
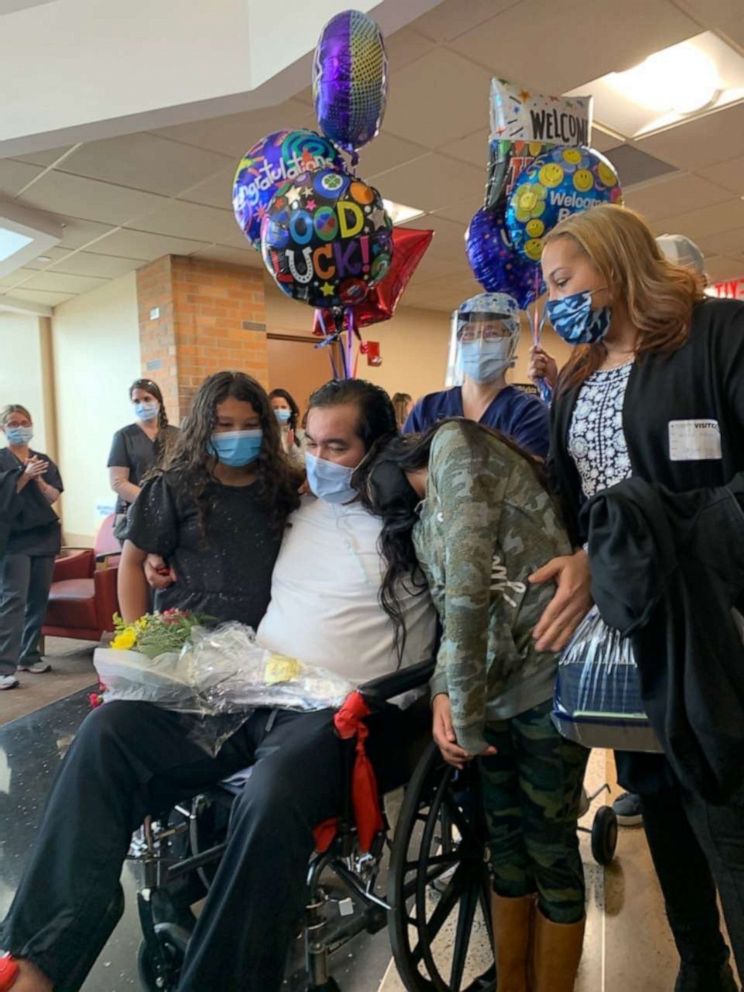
x: 125, y: 639
x: 529, y: 202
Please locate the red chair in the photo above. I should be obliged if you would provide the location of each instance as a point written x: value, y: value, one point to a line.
x: 83, y: 600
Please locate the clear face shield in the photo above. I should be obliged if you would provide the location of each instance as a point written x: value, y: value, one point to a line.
x: 482, y: 345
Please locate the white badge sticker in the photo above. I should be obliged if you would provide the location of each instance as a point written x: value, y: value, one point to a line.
x: 694, y: 440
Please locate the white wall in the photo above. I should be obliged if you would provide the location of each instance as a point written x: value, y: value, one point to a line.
x: 21, y: 378
x: 96, y: 357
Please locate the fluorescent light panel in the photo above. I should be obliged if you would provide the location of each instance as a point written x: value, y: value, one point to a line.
x: 400, y: 214
x: 670, y: 87
x: 11, y: 242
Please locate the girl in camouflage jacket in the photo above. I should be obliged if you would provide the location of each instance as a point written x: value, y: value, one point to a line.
x: 468, y: 508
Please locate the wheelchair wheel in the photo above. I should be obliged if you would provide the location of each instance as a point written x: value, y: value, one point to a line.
x: 604, y: 835
x: 439, y: 887
x: 148, y: 974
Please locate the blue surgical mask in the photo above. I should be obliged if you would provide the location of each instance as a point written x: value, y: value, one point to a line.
x: 236, y: 448
x: 283, y: 416
x: 146, y: 411
x: 19, y: 436
x: 329, y: 481
x: 484, y: 361
x: 576, y: 321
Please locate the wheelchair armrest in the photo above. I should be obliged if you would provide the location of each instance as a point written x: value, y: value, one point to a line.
x: 387, y: 686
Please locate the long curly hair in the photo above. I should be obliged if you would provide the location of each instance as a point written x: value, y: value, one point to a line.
x: 189, y: 457
x: 384, y: 489
x: 659, y: 295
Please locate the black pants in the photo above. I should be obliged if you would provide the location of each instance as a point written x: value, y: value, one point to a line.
x: 130, y: 759
x: 696, y: 848
x: 25, y: 581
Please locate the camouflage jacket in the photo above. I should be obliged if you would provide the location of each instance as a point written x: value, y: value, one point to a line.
x: 486, y: 524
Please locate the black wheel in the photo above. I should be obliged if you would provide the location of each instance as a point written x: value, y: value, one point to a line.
x: 147, y: 972
x: 604, y: 835
x: 439, y: 887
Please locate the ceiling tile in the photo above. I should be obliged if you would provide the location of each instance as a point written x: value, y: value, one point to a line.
x: 728, y: 243
x: 433, y: 269
x: 603, y: 141
x: 438, y: 99
x: 52, y: 255
x: 16, y: 278
x: 232, y: 256
x: 433, y: 182
x: 58, y: 283
x: 77, y: 233
x: 89, y: 199
x: 144, y: 246
x: 144, y: 162
x: 213, y: 192
x: 86, y: 263
x: 720, y: 267
x: 706, y: 221
x: 234, y: 134
x: 452, y: 18
x: 404, y: 47
x: 714, y: 138
x: 634, y: 166
x: 45, y: 158
x: 14, y: 175
x: 713, y: 12
x: 461, y: 212
x: 554, y: 47
x: 189, y: 220
x: 728, y: 174
x: 449, y: 237
x: 387, y: 152
x: 39, y: 296
x: 677, y: 194
x: 473, y: 149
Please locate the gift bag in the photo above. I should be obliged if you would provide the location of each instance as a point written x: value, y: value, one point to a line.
x: 597, y: 699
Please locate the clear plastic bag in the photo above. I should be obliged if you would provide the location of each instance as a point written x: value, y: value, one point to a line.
x: 597, y: 699
x: 219, y: 671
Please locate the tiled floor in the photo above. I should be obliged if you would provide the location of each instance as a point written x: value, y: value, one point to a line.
x: 628, y: 947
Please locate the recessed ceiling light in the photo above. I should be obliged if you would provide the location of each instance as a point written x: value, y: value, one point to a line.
x: 670, y: 87
x: 399, y: 213
x: 43, y: 258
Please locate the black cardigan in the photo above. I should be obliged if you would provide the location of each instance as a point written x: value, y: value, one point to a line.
x: 702, y: 381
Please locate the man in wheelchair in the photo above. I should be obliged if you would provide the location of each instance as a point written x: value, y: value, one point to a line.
x: 131, y: 759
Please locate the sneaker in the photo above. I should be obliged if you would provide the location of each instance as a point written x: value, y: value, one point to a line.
x: 36, y: 668
x: 628, y: 810
x: 8, y: 682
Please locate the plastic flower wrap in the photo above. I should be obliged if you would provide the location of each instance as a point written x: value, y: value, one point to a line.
x: 211, y: 671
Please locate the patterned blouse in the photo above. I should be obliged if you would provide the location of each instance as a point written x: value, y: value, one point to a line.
x: 596, y: 440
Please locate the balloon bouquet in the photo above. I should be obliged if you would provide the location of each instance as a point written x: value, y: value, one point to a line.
x: 324, y: 234
x: 541, y: 169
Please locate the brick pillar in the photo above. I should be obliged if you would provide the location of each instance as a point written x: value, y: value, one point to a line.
x: 198, y: 317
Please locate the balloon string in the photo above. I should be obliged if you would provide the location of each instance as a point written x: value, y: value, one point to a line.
x: 327, y: 341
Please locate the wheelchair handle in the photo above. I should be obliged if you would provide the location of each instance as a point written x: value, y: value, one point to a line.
x: 388, y: 686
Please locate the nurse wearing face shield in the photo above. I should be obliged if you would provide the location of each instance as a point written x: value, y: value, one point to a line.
x: 485, y: 339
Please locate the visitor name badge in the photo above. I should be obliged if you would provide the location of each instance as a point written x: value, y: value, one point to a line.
x: 694, y: 440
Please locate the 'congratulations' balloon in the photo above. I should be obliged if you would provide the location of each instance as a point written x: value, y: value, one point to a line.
x: 495, y: 264
x: 561, y: 182
x: 327, y: 239
x: 350, y: 79
x: 268, y: 165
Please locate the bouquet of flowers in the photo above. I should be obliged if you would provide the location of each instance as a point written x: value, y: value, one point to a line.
x: 175, y: 660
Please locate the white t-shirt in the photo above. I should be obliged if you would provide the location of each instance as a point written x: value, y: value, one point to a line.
x: 325, y: 607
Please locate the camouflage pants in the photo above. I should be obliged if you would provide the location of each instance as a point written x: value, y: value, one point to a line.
x: 531, y: 792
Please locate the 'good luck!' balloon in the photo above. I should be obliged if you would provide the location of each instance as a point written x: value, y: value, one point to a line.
x: 561, y: 182
x: 327, y: 239
x: 273, y: 160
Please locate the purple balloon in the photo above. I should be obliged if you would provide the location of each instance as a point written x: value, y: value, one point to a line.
x: 495, y: 264
x: 350, y: 79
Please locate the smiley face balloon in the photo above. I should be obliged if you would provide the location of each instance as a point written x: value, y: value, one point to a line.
x: 560, y: 182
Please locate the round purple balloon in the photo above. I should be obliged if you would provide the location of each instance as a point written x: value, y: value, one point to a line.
x: 495, y: 264
x: 350, y: 79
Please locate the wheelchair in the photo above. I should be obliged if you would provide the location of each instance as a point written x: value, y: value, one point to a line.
x: 434, y: 897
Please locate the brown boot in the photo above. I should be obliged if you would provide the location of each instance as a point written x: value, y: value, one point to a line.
x: 556, y: 954
x: 511, y: 922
